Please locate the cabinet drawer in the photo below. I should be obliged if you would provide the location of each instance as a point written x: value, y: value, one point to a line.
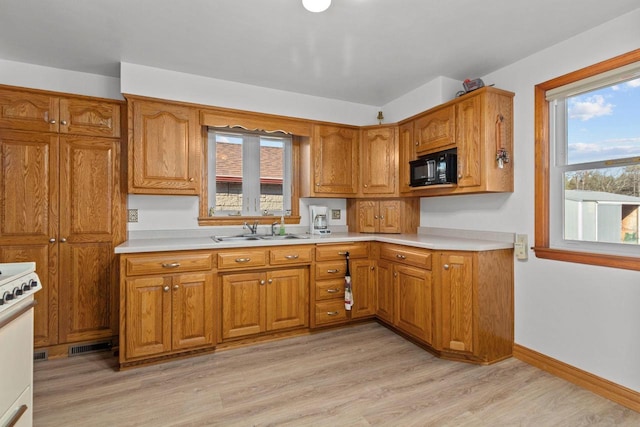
x: 330, y: 270
x: 242, y: 259
x: 333, y: 252
x: 168, y: 263
x: 402, y: 254
x: 330, y: 312
x: 290, y: 255
x: 329, y: 289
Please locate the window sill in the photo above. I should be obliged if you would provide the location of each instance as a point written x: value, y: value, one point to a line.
x: 614, y: 261
x: 239, y: 220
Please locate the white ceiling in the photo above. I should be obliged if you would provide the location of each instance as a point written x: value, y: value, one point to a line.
x: 364, y: 51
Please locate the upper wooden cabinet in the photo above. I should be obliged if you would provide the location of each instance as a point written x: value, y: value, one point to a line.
x: 379, y: 161
x: 435, y: 130
x: 479, y: 125
x: 164, y: 148
x: 384, y: 215
x: 329, y: 162
x: 43, y: 112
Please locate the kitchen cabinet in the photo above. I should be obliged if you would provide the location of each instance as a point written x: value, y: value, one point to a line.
x: 379, y: 161
x: 383, y: 215
x: 407, y: 153
x: 38, y: 111
x: 475, y: 304
x: 62, y: 208
x: 410, y: 272
x: 164, y: 148
x: 329, y: 162
x: 167, y: 305
x: 328, y: 290
x: 435, y: 130
x: 483, y: 128
x: 256, y: 300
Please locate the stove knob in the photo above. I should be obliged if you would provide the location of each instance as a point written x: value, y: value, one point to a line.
x: 33, y: 283
x: 17, y: 291
x: 26, y: 287
x: 8, y: 296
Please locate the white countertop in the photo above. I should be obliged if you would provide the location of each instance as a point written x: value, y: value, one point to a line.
x: 427, y: 241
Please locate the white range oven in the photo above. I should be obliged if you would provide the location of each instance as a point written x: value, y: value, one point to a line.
x: 18, y: 283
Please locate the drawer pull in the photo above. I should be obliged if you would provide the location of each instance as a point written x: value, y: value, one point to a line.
x: 401, y: 256
x: 292, y: 256
x: 171, y: 265
x: 333, y: 291
x: 333, y: 271
x: 166, y: 289
x: 342, y: 253
x: 332, y: 313
x: 243, y: 259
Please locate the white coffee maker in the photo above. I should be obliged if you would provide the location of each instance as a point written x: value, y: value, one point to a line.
x: 318, y: 220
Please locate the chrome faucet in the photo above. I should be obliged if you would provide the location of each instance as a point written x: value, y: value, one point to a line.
x: 273, y: 228
x: 252, y: 228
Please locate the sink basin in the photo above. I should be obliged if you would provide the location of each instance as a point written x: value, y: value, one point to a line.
x: 234, y: 238
x: 246, y: 237
x: 286, y: 236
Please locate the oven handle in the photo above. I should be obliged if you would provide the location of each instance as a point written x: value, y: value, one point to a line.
x: 16, y: 417
x: 14, y: 316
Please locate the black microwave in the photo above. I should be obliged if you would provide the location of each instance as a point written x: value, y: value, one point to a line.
x: 436, y: 168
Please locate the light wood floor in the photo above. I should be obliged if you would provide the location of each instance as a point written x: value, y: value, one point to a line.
x: 358, y: 376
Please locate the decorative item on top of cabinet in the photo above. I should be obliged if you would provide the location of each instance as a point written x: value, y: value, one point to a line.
x: 384, y: 215
x: 379, y: 161
x: 475, y: 305
x: 329, y: 162
x: 72, y: 214
x: 483, y: 140
x: 168, y: 305
x: 164, y: 147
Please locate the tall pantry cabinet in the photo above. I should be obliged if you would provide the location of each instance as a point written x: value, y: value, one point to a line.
x: 61, y: 205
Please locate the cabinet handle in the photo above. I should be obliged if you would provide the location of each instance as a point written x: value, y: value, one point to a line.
x: 342, y: 253
x: 401, y: 256
x: 171, y: 265
x: 446, y: 266
x: 53, y: 122
x: 63, y: 240
x: 243, y: 259
x: 333, y: 291
x: 291, y: 256
x: 63, y: 122
x: 166, y: 289
x: 52, y: 240
x: 176, y: 287
x: 16, y: 417
x: 262, y: 282
x: 333, y: 271
x: 332, y: 313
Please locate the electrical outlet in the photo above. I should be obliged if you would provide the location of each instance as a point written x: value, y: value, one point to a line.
x: 133, y: 215
x: 335, y: 213
x: 520, y: 247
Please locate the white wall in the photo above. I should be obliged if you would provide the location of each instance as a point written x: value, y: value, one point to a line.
x: 54, y: 79
x: 586, y: 316
x: 435, y: 92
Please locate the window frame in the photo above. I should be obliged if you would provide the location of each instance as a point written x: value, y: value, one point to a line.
x: 542, y: 128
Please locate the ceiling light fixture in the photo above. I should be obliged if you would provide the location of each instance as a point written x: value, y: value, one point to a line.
x: 316, y: 5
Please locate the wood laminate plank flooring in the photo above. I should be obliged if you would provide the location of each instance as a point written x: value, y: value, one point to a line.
x: 363, y: 375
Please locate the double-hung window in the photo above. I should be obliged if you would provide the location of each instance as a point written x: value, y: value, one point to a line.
x: 588, y: 166
x: 250, y: 173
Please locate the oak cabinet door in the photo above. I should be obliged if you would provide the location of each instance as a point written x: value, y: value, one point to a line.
x: 470, y: 142
x: 435, y: 131
x: 193, y: 313
x: 148, y: 316
x: 389, y: 216
x: 287, y: 299
x: 407, y: 150
x: 367, y: 216
x: 457, y: 301
x: 165, y: 154
x: 379, y: 148
x: 413, y: 310
x: 385, y: 291
x: 363, y: 283
x: 28, y: 111
x: 243, y: 304
x: 335, y: 160
x: 90, y: 118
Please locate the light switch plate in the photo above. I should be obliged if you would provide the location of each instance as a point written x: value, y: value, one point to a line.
x: 133, y: 215
x: 520, y: 247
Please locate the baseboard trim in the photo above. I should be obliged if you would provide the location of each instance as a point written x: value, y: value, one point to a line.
x: 605, y: 388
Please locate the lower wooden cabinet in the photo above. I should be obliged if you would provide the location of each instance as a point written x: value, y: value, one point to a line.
x: 363, y: 287
x: 259, y: 301
x: 167, y: 305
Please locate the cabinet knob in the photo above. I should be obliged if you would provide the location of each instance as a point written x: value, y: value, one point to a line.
x: 459, y: 176
x: 262, y: 282
x: 270, y: 281
x: 63, y: 240
x: 366, y: 185
x: 395, y: 274
x: 52, y: 240
x: 381, y: 216
x: 446, y: 266
x: 63, y: 122
x: 191, y: 179
x: 375, y: 217
x: 372, y: 268
x: 166, y: 289
x: 53, y: 122
x: 176, y: 287
x: 417, y: 143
